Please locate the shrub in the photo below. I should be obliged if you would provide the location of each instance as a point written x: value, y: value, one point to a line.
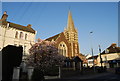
x: 37, y: 75
x: 52, y: 71
x: 44, y: 55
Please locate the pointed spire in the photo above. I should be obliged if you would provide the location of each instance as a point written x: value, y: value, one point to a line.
x: 70, y: 23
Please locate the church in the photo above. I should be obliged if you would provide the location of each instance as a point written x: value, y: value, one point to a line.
x: 67, y: 41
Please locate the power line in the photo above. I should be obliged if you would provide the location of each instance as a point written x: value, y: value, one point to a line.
x: 38, y: 16
x: 24, y: 12
x: 18, y: 11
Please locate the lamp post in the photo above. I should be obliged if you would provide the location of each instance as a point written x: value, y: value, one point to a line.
x: 92, y: 52
x: 100, y: 55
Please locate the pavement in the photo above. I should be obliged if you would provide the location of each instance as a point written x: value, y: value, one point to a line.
x: 90, y: 76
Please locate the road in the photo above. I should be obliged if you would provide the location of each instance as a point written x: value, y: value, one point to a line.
x: 98, y: 77
x: 109, y: 77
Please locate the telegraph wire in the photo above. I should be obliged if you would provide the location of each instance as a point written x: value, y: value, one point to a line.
x: 39, y: 15
x: 19, y: 10
x: 24, y: 11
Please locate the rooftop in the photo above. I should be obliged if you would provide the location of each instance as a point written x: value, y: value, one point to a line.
x: 4, y: 21
x: 112, y: 49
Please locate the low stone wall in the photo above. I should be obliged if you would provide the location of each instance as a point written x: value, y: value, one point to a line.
x: 51, y: 77
x: 16, y: 73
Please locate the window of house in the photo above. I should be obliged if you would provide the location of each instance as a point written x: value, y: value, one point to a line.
x: 16, y: 34
x: 21, y: 35
x: 90, y: 62
x: 25, y: 36
x: 24, y: 50
x: 20, y: 45
x: 15, y: 44
x: 106, y: 51
x: 105, y: 58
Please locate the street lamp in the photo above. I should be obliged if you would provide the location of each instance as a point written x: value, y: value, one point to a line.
x: 100, y: 55
x: 92, y: 53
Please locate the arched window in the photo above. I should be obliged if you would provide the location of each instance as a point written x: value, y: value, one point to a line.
x: 21, y: 35
x: 16, y: 34
x: 25, y: 36
x: 62, y: 49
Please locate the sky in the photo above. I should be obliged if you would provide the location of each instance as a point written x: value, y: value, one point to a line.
x: 50, y: 18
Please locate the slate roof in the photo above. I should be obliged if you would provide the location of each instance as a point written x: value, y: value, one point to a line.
x: 77, y: 59
x: 112, y: 49
x: 19, y: 27
x: 53, y: 37
x: 95, y: 57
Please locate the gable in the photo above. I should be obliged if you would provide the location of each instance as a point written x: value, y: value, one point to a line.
x: 62, y: 38
x: 111, y: 49
x: 53, y: 37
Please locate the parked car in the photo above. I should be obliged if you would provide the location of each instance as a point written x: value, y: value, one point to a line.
x: 117, y: 70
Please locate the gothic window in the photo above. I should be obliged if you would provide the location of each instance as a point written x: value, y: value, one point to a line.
x: 16, y: 34
x: 60, y: 44
x: 62, y: 49
x: 21, y: 35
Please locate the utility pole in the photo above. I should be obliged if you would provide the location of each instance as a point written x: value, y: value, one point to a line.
x: 92, y: 53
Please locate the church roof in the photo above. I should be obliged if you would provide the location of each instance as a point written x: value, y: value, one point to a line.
x: 53, y: 37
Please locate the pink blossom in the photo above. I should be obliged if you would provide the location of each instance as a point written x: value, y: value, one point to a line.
x: 46, y: 55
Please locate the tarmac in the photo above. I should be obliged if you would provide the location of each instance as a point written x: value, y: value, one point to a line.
x: 89, y: 76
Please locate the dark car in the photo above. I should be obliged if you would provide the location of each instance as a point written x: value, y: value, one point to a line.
x: 117, y: 70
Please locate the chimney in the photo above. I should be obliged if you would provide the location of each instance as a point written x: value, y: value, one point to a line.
x: 4, y: 16
x: 114, y: 45
x: 29, y: 25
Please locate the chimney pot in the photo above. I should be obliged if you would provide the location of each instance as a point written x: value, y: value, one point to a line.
x: 29, y: 25
x: 5, y: 12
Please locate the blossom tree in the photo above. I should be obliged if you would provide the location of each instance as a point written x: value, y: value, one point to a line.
x: 44, y: 55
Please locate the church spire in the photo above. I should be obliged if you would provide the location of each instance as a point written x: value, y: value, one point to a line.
x: 70, y: 23
x: 71, y: 32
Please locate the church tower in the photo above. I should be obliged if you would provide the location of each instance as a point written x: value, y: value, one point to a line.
x: 71, y: 35
x: 67, y: 41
